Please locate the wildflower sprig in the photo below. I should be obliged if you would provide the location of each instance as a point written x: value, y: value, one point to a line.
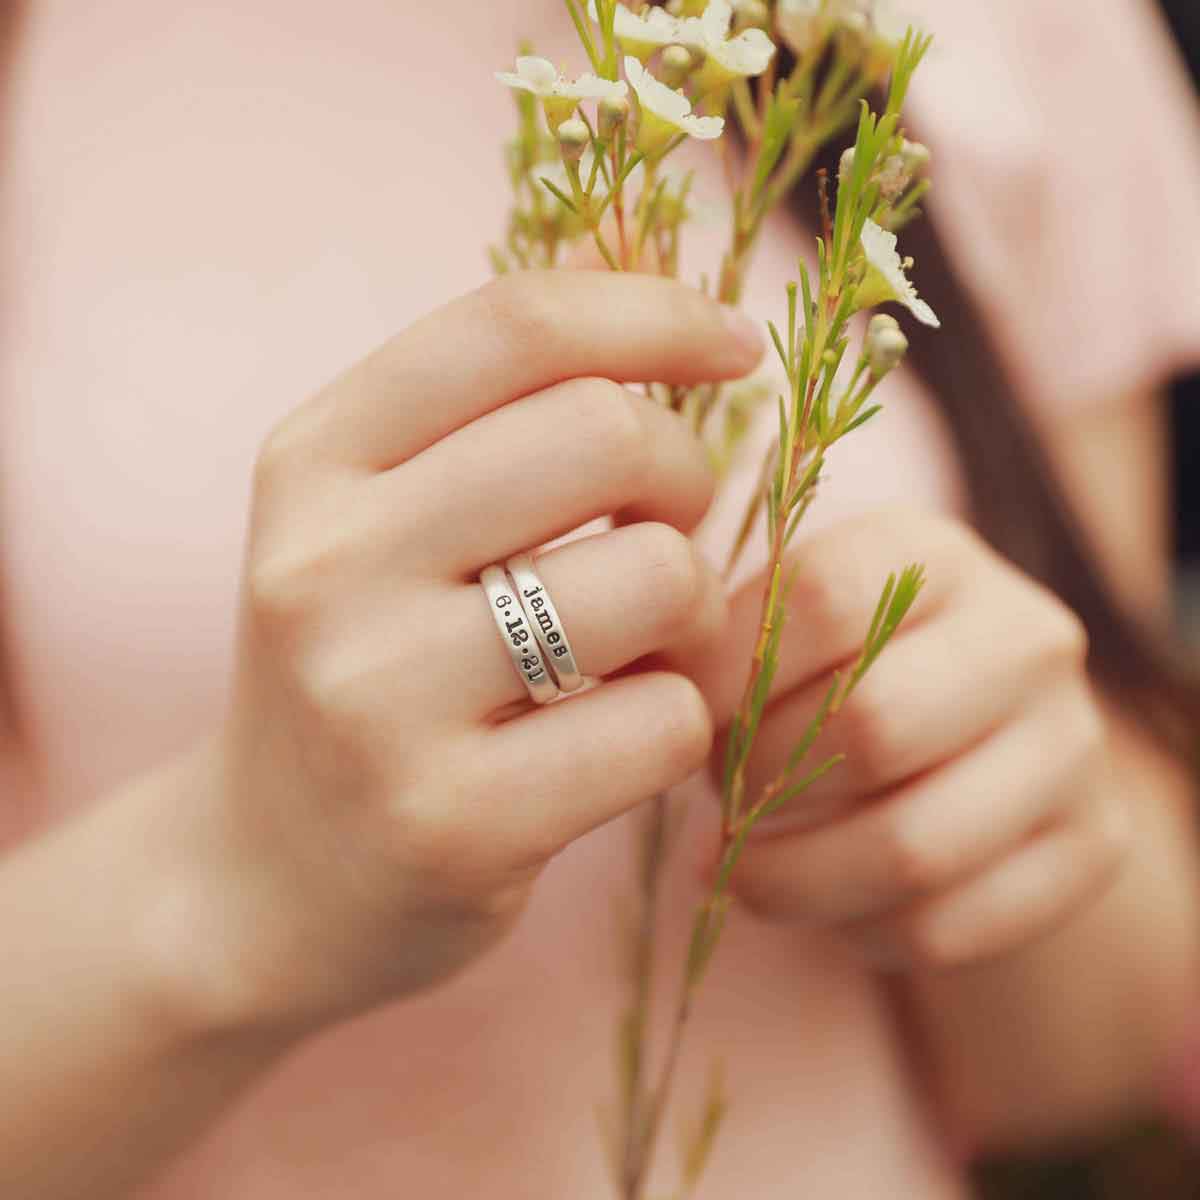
x: 589, y: 161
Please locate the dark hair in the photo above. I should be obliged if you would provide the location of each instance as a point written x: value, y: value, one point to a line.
x: 1018, y: 501
x: 1019, y: 504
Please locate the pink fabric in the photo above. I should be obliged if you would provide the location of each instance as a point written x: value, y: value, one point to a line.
x: 211, y: 208
x: 1067, y: 150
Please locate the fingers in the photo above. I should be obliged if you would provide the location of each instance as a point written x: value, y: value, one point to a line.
x: 841, y: 573
x: 1026, y: 895
x: 939, y: 688
x: 539, y: 468
x: 621, y: 595
x: 560, y: 772
x: 513, y: 337
x: 934, y: 833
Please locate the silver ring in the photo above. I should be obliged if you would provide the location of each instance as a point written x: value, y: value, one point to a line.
x: 546, y: 623
x: 516, y: 634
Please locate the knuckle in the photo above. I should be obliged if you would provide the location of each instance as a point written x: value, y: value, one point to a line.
x: 337, y: 706
x: 1091, y: 732
x: 674, y: 580
x: 1113, y: 838
x: 1053, y: 635
x: 277, y: 601
x: 608, y: 420
x: 285, y: 588
x: 825, y: 600
x: 910, y: 860
x: 520, y: 308
x: 282, y: 451
x: 687, y: 730
x: 274, y: 456
x: 928, y: 945
x: 432, y: 837
x: 1069, y: 635
x: 869, y: 726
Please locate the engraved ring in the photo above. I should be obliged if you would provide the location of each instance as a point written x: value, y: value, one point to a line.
x: 516, y: 634
x: 544, y: 619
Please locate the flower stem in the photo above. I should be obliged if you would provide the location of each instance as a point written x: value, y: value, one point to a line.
x: 653, y: 857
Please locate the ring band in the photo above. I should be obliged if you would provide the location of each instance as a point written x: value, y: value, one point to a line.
x: 516, y: 634
x: 546, y: 624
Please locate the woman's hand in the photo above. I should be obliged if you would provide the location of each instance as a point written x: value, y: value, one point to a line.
x: 386, y: 795
x: 975, y: 809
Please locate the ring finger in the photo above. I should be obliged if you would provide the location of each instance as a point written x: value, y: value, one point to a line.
x: 638, y: 590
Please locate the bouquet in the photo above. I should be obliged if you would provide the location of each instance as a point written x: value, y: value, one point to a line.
x: 591, y: 162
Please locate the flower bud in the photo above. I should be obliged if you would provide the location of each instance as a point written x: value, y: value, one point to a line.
x: 885, y: 345
x: 573, y: 139
x: 846, y: 164
x: 614, y: 112
x: 893, y: 177
x: 916, y: 157
x: 676, y: 65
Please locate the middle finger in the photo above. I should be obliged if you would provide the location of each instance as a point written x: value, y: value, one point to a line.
x: 539, y: 468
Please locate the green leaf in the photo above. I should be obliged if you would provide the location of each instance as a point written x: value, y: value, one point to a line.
x: 884, y: 600
x: 776, y: 135
x: 500, y: 264
x: 696, y: 1145
x: 807, y: 782
x: 862, y: 419
x: 783, y: 354
x: 805, y: 744
x: 897, y: 599
x: 559, y: 195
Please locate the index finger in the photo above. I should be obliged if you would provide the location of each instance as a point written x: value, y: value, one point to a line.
x: 517, y: 335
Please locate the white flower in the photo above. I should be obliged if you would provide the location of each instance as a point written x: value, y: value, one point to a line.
x: 642, y: 36
x: 886, y: 279
x: 665, y: 113
x: 541, y: 77
x: 747, y: 54
x: 797, y: 20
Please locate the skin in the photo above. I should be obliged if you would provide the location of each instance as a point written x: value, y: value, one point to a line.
x: 1004, y: 841
x: 354, y: 802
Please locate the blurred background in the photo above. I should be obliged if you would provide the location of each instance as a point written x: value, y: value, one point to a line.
x: 1185, y: 19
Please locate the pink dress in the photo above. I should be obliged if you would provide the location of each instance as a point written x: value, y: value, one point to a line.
x: 209, y: 210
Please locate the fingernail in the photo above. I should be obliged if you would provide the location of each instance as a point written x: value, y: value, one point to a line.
x: 745, y: 330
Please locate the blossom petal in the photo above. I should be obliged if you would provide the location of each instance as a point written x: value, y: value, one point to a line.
x: 656, y: 28
x: 879, y: 245
x: 664, y: 108
x: 592, y: 87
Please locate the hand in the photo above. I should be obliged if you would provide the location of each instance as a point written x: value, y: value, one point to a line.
x: 974, y: 810
x: 387, y: 797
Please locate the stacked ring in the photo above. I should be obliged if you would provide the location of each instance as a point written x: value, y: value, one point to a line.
x: 516, y: 634
x: 546, y: 623
x: 531, y: 629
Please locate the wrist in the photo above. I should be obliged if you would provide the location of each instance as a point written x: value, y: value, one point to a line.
x: 197, y: 939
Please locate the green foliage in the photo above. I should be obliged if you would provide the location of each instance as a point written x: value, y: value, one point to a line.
x: 636, y: 223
